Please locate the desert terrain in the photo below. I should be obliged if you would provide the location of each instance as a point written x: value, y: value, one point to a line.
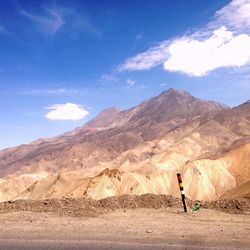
x: 127, y: 222
x: 111, y: 184
x: 138, y: 151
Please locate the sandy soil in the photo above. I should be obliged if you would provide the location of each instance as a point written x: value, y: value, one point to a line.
x: 140, y: 228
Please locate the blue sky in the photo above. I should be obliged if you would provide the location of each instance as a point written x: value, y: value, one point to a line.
x: 62, y: 62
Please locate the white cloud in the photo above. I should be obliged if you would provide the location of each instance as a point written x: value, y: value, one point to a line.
x: 197, y: 58
x: 68, y: 111
x: 224, y: 42
x: 131, y: 82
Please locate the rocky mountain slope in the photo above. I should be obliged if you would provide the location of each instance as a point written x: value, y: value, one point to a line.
x: 110, y: 133
x: 137, y: 151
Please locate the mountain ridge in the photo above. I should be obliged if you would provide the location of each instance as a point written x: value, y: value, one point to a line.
x: 137, y: 126
x: 171, y: 132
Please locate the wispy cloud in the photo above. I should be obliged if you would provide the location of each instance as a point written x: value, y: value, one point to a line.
x: 25, y: 128
x: 148, y: 59
x: 224, y: 42
x: 108, y: 77
x: 52, y: 19
x: 130, y: 82
x: 79, y: 23
x: 68, y: 111
x: 235, y: 15
x: 52, y: 92
x: 50, y: 22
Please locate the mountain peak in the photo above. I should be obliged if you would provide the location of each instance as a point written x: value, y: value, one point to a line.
x: 176, y: 91
x: 184, y: 96
x: 169, y: 104
x: 178, y: 95
x: 174, y: 104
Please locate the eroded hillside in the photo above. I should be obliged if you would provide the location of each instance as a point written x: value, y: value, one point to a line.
x: 137, y: 151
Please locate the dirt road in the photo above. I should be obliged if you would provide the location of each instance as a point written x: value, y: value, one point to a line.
x: 139, y: 228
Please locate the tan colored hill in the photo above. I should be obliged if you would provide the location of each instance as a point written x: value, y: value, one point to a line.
x: 138, y: 151
x: 11, y: 185
x: 242, y: 190
x: 205, y: 179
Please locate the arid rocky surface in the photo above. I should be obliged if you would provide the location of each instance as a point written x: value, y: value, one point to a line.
x: 92, y: 208
x: 146, y: 222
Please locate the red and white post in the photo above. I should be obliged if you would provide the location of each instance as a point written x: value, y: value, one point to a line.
x: 182, y: 192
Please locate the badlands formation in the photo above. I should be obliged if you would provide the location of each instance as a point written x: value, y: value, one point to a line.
x: 138, y: 151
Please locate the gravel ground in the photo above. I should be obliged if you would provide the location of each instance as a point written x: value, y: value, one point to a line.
x: 126, y: 222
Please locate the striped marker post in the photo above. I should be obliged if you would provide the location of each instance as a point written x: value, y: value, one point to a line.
x: 182, y: 192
